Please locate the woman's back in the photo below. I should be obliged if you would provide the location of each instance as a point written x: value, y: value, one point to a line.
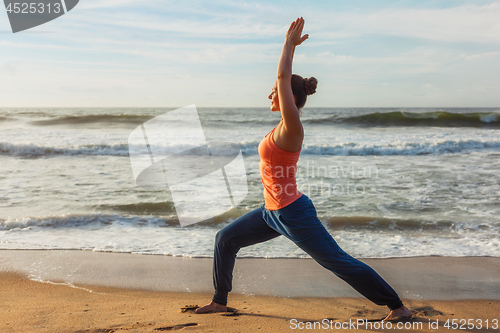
x: 278, y: 168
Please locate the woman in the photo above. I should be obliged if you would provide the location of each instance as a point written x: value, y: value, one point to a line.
x: 287, y: 211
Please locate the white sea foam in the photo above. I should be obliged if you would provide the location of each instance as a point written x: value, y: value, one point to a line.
x: 149, y: 235
x: 92, y: 221
x: 250, y: 148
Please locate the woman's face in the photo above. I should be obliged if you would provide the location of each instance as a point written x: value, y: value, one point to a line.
x: 275, y: 103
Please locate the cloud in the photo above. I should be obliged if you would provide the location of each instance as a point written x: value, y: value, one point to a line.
x: 199, y: 19
x: 469, y: 23
x: 480, y: 56
x: 44, y: 46
x: 96, y: 4
x: 330, y: 58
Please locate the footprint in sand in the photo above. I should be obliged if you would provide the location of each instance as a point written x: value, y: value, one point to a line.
x: 175, y: 327
x: 364, y: 312
x: 426, y: 311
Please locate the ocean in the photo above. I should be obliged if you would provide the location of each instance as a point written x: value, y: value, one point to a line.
x: 386, y: 182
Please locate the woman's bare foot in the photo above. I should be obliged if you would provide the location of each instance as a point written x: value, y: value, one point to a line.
x: 399, y: 312
x: 211, y: 308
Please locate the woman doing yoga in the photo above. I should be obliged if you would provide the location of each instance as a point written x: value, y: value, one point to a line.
x: 287, y: 211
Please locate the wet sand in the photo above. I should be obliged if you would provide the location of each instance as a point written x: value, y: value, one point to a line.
x: 110, y: 292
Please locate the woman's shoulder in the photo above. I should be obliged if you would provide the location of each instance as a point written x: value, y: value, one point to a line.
x: 287, y: 140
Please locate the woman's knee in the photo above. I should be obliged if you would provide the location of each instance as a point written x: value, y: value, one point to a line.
x: 219, y: 237
x: 223, y: 237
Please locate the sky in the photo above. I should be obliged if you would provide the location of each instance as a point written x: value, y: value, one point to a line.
x: 158, y: 53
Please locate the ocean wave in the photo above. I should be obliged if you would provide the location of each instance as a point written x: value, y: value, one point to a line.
x: 92, y: 119
x: 132, y: 120
x: 251, y: 147
x: 423, y: 119
x: 374, y: 119
x: 348, y: 223
x: 404, y: 148
x: 364, y: 117
x: 382, y: 223
x: 141, y: 208
x: 5, y: 119
x: 33, y: 150
x: 358, y: 223
x: 81, y: 221
x: 163, y: 218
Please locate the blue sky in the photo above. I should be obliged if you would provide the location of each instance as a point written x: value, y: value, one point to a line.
x: 153, y: 53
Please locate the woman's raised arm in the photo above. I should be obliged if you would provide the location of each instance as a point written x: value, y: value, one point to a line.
x: 291, y: 120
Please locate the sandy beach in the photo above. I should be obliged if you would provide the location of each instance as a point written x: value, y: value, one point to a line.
x: 83, y: 291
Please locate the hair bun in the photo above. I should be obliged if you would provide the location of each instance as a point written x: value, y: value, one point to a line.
x: 310, y: 85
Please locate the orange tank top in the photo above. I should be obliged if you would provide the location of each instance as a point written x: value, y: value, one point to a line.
x: 277, y: 169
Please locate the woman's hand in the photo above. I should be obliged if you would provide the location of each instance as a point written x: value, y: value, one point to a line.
x: 294, y: 33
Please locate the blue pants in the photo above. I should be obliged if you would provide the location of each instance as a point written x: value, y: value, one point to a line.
x: 299, y: 223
